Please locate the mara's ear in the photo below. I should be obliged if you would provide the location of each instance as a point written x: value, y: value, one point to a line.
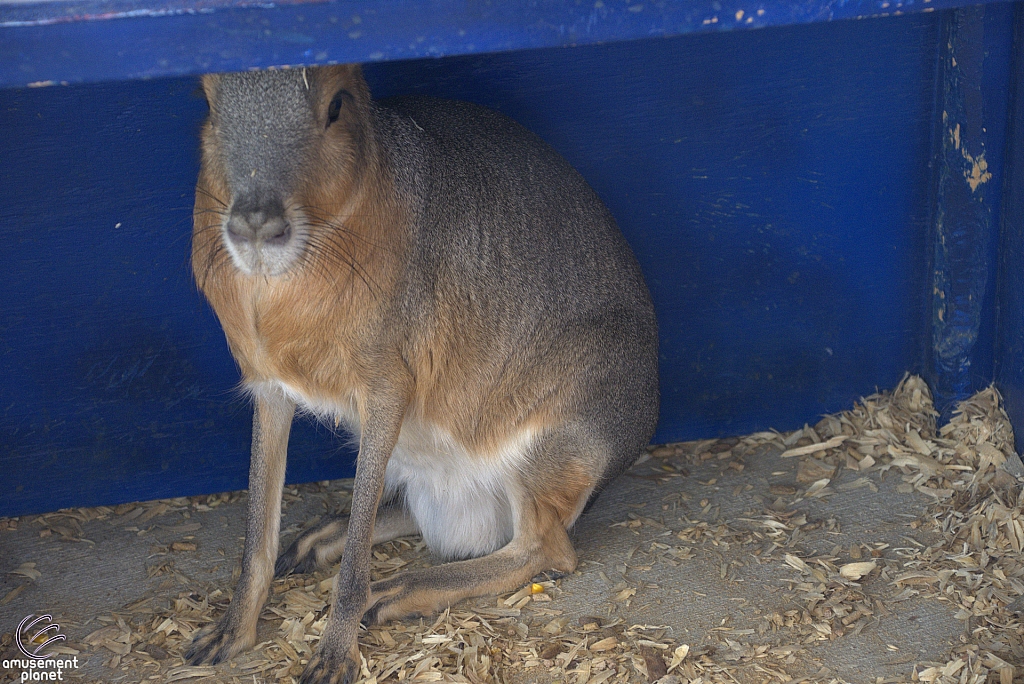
x: 344, y: 72
x: 351, y: 71
x: 209, y: 83
x: 347, y: 76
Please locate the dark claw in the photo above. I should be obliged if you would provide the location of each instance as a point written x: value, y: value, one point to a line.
x: 326, y: 532
x: 370, y: 616
x: 330, y: 669
x: 284, y: 565
x: 550, y: 576
x: 289, y: 563
x: 211, y: 646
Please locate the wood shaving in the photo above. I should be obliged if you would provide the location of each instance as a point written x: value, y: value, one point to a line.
x: 968, y: 470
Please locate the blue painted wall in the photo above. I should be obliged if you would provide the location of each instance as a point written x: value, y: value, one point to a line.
x: 777, y: 186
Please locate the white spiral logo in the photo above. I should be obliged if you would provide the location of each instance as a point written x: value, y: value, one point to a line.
x: 22, y: 637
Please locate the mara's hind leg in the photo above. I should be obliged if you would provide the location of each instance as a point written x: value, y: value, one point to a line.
x: 540, y: 543
x: 323, y: 544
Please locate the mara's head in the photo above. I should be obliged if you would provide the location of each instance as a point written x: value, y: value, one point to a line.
x: 282, y: 157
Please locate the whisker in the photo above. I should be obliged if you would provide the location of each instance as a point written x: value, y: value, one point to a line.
x: 318, y: 218
x: 329, y: 243
x: 326, y: 244
x: 206, y: 193
x: 212, y: 260
x: 321, y: 256
x: 325, y: 255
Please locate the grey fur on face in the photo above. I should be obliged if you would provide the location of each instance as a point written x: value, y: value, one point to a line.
x: 266, y: 131
x: 265, y: 138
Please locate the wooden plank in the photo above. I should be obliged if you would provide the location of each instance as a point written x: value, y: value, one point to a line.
x: 971, y: 114
x: 69, y: 41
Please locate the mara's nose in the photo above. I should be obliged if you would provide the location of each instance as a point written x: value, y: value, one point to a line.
x: 258, y: 222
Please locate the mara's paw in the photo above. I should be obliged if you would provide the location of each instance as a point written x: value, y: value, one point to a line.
x: 403, y: 596
x: 332, y: 666
x: 291, y: 562
x: 317, y: 547
x: 217, y: 643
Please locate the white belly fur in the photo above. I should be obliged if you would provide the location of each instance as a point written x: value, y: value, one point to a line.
x: 462, y: 502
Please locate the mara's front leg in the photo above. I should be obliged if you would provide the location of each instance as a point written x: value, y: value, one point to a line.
x: 336, y: 660
x: 236, y: 630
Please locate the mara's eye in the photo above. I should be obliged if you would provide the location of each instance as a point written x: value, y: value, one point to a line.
x: 334, y: 109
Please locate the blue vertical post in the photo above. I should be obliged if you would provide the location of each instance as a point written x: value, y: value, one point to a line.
x: 972, y: 108
x: 1010, y: 332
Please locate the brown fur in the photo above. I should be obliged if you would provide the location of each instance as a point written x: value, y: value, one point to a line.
x: 279, y: 328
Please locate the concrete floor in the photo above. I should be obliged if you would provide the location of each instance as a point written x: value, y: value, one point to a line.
x: 693, y: 539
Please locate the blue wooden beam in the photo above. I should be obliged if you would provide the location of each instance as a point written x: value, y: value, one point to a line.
x: 971, y: 113
x: 1009, y: 370
x: 68, y: 41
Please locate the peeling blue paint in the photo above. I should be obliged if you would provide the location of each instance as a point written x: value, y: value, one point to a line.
x: 971, y: 114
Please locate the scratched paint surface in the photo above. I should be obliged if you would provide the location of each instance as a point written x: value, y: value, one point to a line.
x: 776, y: 198
x: 972, y: 125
